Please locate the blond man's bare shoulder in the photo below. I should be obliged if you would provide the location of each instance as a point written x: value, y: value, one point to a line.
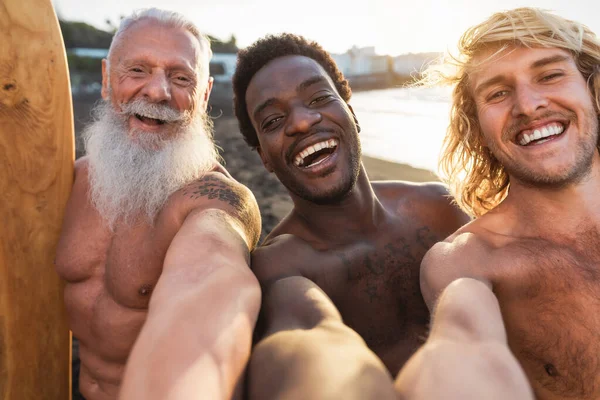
x: 462, y: 254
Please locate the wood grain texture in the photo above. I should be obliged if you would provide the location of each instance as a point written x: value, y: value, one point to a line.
x: 36, y: 174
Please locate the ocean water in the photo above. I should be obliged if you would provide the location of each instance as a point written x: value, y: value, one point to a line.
x: 405, y: 125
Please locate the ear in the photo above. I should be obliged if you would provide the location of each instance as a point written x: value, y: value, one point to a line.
x: 105, y: 82
x: 207, y: 92
x: 354, y: 116
x: 264, y: 160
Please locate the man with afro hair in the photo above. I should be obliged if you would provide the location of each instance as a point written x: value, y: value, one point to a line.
x: 342, y: 269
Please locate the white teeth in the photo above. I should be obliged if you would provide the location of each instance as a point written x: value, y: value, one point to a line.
x: 299, y: 159
x: 546, y: 131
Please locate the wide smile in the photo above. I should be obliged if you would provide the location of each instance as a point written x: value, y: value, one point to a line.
x: 541, y: 134
x: 147, y: 123
x: 316, y: 155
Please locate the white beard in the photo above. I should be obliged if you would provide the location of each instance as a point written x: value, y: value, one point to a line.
x: 129, y: 179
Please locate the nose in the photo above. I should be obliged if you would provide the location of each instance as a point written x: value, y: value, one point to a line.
x: 157, y: 89
x: 528, y: 101
x: 301, y: 119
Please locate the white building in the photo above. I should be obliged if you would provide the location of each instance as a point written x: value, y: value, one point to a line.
x: 409, y: 64
x: 361, y: 61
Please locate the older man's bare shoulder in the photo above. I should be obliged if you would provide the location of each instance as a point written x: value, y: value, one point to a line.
x: 217, y: 190
x: 80, y: 189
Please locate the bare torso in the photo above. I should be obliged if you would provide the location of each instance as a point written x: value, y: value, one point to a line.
x: 110, y: 276
x: 549, y: 292
x: 373, y: 280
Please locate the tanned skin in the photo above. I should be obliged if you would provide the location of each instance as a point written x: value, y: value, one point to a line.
x: 466, y: 356
x: 539, y: 250
x: 163, y: 309
x: 340, y: 275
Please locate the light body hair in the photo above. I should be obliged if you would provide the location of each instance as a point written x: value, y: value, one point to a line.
x: 170, y: 19
x: 475, y: 177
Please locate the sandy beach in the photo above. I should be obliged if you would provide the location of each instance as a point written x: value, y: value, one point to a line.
x: 245, y: 166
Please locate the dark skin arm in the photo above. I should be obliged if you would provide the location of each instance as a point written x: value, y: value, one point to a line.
x: 306, y: 351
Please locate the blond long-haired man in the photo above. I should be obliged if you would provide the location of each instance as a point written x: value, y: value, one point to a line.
x: 521, y: 156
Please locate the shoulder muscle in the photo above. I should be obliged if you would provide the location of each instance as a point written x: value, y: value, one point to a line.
x: 218, y: 191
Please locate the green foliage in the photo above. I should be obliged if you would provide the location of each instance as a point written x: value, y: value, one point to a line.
x: 219, y: 46
x: 84, y: 64
x: 80, y: 34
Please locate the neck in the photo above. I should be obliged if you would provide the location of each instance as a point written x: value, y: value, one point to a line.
x: 356, y: 215
x: 555, y: 210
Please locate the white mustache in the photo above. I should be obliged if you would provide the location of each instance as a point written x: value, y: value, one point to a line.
x: 153, y: 110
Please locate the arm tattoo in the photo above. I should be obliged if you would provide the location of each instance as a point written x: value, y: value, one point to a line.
x: 214, y: 188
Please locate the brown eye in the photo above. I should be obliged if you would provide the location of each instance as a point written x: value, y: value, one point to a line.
x: 270, y: 123
x: 320, y: 99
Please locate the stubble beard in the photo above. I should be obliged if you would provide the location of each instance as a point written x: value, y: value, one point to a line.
x: 133, y: 174
x: 575, y: 173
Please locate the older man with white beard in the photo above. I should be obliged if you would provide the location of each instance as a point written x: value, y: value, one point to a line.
x: 156, y: 238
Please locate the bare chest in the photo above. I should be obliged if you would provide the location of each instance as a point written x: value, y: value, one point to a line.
x: 375, y: 285
x: 123, y: 265
x: 550, y: 300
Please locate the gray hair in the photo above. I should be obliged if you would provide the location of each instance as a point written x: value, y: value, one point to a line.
x: 169, y: 19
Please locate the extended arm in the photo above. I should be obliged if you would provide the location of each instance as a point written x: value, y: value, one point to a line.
x: 197, y: 336
x: 309, y: 353
x: 466, y: 355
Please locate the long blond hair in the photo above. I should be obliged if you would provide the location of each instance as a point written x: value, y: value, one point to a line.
x: 475, y: 177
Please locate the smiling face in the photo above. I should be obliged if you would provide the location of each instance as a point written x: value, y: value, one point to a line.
x: 307, y: 133
x: 154, y: 79
x: 536, y: 114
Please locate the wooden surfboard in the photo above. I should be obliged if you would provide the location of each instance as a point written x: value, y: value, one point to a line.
x: 36, y: 174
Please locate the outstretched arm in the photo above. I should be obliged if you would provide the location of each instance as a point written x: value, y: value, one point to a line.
x: 309, y: 353
x: 466, y: 355
x: 197, y: 337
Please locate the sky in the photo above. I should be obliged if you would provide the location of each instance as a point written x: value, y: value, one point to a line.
x: 393, y: 26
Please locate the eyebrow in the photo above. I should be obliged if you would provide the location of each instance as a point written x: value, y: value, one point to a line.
x: 549, y: 60
x: 537, y: 64
x: 301, y: 86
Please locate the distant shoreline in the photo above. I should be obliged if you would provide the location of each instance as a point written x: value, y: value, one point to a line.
x: 379, y: 169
